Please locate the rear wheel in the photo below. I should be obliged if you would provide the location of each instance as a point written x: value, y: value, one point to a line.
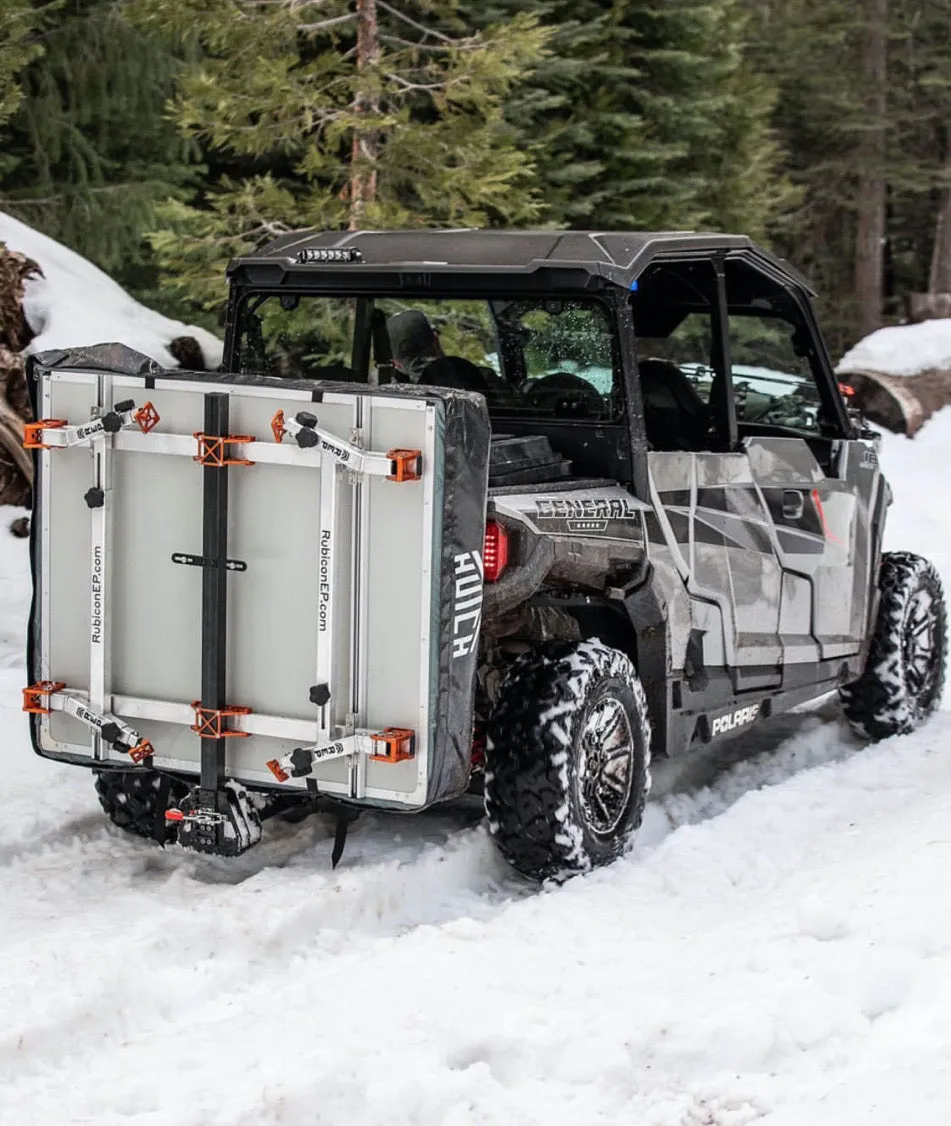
x: 567, y: 759
x: 905, y: 670
x: 136, y: 800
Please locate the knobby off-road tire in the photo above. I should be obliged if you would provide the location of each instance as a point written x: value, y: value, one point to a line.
x: 131, y: 798
x: 567, y: 759
x: 905, y: 670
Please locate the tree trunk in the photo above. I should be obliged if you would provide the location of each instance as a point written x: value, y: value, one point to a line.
x: 870, y: 197
x: 366, y: 140
x: 939, y: 278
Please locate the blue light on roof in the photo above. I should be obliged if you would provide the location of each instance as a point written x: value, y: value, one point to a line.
x: 634, y: 286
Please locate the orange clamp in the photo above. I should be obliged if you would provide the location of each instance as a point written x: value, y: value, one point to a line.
x: 397, y: 744
x: 34, y: 696
x: 209, y: 722
x: 277, y: 427
x: 212, y: 450
x: 33, y: 430
x: 147, y: 417
x: 404, y: 465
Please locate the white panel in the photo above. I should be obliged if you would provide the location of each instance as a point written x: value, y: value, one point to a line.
x: 274, y: 524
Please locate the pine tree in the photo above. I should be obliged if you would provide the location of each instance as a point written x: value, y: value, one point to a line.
x: 811, y: 51
x: 18, y: 47
x: 919, y: 93
x: 871, y: 172
x: 334, y: 114
x: 868, y: 149
x: 88, y: 153
x: 648, y: 115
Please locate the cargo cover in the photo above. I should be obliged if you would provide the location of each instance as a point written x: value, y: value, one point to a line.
x: 285, y: 574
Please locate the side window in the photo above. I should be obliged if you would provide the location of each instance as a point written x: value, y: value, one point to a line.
x: 678, y: 354
x: 778, y: 377
x: 773, y: 381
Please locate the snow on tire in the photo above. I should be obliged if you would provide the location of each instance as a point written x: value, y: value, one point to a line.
x: 131, y: 800
x: 904, y: 673
x: 567, y: 759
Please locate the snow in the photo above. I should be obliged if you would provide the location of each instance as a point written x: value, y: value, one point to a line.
x: 75, y: 304
x: 901, y: 349
x: 775, y: 949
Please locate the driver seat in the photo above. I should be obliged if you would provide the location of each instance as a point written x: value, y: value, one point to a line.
x: 675, y: 417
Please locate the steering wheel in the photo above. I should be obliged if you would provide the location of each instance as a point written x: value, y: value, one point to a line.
x: 565, y: 395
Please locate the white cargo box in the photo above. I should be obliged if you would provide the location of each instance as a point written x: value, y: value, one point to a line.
x: 219, y: 574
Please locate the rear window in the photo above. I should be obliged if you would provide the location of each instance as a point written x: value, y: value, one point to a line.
x: 537, y: 357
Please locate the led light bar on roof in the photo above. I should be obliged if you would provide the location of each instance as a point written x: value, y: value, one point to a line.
x: 339, y: 254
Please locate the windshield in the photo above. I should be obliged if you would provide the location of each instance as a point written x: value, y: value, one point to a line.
x: 527, y: 356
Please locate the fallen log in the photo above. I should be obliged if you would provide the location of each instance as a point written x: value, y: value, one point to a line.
x: 900, y: 403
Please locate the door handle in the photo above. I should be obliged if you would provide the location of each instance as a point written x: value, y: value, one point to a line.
x: 793, y: 504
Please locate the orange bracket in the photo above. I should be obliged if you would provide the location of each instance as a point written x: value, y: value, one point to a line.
x: 147, y: 417
x: 212, y: 450
x: 397, y: 744
x: 34, y: 696
x: 404, y: 465
x: 277, y: 427
x: 32, y: 431
x: 209, y: 722
x: 277, y: 770
x: 142, y: 751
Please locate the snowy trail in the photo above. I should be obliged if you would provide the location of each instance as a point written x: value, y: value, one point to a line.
x: 727, y: 969
x: 776, y: 948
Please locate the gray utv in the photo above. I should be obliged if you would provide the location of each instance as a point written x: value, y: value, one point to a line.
x: 463, y: 509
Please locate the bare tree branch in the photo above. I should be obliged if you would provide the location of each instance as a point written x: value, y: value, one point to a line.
x: 407, y: 85
x: 469, y: 44
x: 321, y: 24
x: 412, y: 23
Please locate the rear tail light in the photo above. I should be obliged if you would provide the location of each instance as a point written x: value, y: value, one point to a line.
x: 495, y: 555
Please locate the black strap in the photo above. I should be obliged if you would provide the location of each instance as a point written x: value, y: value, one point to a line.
x: 159, y: 827
x: 340, y: 836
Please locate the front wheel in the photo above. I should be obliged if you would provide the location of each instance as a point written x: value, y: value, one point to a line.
x: 567, y: 759
x: 904, y: 674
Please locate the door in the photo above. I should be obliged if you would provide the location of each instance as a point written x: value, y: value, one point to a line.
x: 710, y: 518
x: 769, y: 508
x: 819, y: 485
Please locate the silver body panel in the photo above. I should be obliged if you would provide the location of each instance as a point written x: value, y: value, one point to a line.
x: 776, y: 554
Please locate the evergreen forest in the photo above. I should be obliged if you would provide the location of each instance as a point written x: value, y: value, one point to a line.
x: 160, y: 139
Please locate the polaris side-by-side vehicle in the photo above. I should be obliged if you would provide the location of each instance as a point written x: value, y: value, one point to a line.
x: 511, y: 510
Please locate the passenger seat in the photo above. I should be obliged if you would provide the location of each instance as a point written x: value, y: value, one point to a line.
x: 675, y: 417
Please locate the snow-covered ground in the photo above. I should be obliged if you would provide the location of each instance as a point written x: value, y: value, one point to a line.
x: 75, y: 304
x: 902, y: 349
x: 775, y: 949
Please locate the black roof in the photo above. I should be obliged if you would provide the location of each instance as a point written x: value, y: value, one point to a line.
x: 617, y: 256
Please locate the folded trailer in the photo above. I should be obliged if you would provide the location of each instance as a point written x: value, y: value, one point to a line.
x: 254, y: 584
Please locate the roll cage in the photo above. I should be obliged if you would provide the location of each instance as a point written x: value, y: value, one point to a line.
x: 278, y: 274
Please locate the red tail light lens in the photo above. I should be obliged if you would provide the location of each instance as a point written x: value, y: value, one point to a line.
x: 495, y: 555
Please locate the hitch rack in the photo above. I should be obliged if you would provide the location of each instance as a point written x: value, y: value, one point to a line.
x: 124, y: 427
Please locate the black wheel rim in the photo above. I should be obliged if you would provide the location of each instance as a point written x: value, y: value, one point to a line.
x: 921, y: 646
x: 606, y: 766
